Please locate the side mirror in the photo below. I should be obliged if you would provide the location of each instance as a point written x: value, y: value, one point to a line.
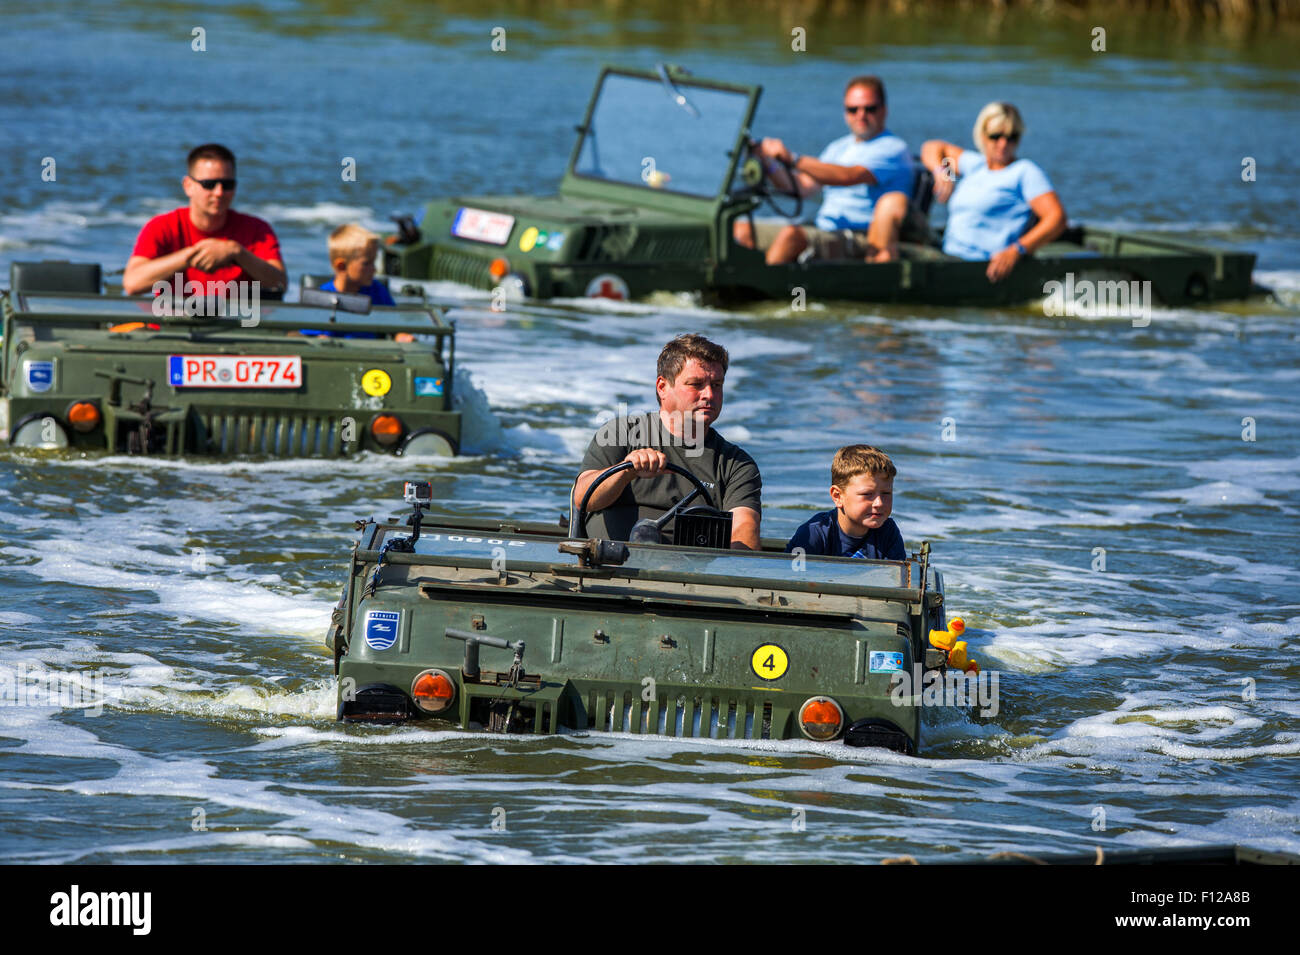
x: 340, y: 301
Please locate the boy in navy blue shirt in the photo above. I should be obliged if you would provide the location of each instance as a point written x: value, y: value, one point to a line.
x: 862, y: 489
x: 353, y: 250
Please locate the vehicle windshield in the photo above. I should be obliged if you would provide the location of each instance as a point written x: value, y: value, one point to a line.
x: 112, y: 308
x: 447, y: 544
x: 642, y: 135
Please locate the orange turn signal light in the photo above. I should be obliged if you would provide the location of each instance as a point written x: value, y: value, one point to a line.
x: 386, y: 428
x: 83, y: 416
x: 135, y: 327
x: 433, y: 691
x: 499, y: 269
x: 821, y: 718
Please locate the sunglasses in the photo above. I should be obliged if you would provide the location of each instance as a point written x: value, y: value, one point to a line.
x: 858, y: 109
x: 210, y: 184
x: 1009, y: 137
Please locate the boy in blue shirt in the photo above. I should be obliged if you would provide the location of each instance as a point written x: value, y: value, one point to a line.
x: 352, y: 256
x: 862, y: 489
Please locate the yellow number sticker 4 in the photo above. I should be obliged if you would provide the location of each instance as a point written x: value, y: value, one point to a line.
x: 769, y: 662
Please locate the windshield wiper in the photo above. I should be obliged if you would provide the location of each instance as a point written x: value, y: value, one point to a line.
x: 674, y: 93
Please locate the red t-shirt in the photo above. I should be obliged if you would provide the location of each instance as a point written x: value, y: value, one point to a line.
x: 173, y: 231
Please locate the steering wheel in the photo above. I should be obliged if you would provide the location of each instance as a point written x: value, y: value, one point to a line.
x: 578, y: 520
x: 754, y: 174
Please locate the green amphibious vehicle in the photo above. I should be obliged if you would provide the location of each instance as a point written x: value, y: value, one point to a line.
x: 534, y: 628
x: 79, y: 369
x: 660, y: 173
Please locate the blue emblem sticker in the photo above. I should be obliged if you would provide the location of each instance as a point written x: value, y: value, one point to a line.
x: 381, y: 628
x: 39, y: 375
x: 175, y: 370
x: 428, y: 387
x: 555, y: 241
x: 885, y: 662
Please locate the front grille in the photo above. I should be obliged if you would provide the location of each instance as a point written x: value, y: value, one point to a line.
x: 377, y: 704
x: 879, y: 733
x: 606, y: 244
x: 460, y: 267
x: 702, y: 717
x: 282, y: 435
x: 670, y: 247
x: 512, y: 716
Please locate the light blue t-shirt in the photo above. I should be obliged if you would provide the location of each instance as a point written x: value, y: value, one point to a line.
x: 989, y: 210
x: 850, y: 207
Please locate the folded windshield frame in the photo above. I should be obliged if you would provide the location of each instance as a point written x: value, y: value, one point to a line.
x: 655, y: 156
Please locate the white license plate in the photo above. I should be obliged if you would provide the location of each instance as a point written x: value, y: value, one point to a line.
x: 234, y: 371
x: 481, y: 226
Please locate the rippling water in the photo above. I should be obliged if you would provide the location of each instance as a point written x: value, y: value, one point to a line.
x: 1125, y: 560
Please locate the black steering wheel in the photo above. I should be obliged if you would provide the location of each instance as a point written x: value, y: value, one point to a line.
x: 578, y: 520
x: 754, y: 174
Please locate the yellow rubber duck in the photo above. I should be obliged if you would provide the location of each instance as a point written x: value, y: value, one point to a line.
x: 949, y: 641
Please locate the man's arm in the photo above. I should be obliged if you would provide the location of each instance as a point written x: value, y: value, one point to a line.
x: 212, y: 254
x: 141, y: 271
x: 647, y: 462
x: 744, y: 528
x: 830, y: 174
x: 270, y: 272
x: 812, y: 173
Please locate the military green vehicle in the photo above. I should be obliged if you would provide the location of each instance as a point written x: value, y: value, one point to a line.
x: 661, y: 171
x: 533, y: 628
x: 180, y: 375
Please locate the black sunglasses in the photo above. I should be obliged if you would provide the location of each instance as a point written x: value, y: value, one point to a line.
x: 210, y: 184
x: 1009, y: 137
x: 857, y: 109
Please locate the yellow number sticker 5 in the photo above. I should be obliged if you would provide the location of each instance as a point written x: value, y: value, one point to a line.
x: 376, y: 382
x: 769, y: 662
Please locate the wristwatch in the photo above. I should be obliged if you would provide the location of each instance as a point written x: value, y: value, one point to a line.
x: 794, y: 160
x: 1020, y: 247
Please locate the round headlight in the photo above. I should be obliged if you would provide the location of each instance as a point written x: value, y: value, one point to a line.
x: 821, y: 718
x: 387, y: 429
x: 83, y: 416
x: 433, y: 691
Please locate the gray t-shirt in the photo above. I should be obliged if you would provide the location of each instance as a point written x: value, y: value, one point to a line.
x: 727, y: 471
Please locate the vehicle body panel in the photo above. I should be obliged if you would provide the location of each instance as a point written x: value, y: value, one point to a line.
x: 71, y: 338
x: 639, y: 229
x: 664, y: 643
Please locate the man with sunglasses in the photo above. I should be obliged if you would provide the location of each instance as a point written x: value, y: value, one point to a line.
x: 207, y: 240
x: 867, y: 180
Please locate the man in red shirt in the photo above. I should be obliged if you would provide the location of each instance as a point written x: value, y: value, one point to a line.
x: 207, y: 241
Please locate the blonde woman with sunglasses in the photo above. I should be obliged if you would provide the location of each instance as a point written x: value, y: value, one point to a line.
x: 993, y: 196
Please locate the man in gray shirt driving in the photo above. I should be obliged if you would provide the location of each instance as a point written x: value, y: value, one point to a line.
x: 691, y: 370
